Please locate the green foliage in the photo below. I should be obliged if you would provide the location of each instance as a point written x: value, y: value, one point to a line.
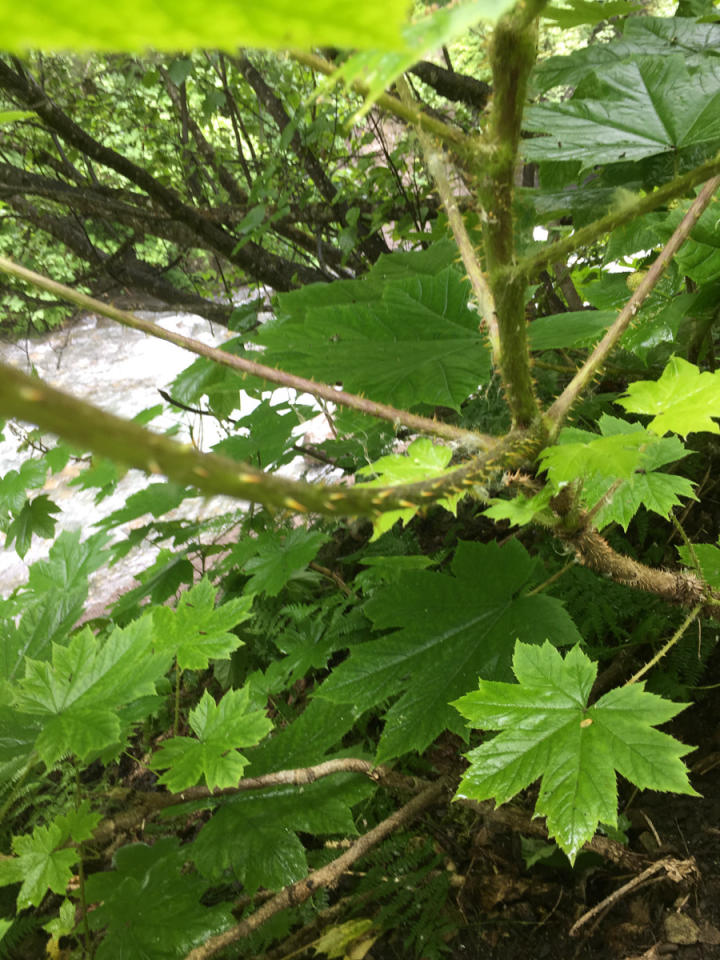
x: 220, y: 729
x: 549, y: 732
x: 405, y: 340
x: 274, y: 557
x: 226, y: 711
x: 462, y: 620
x: 683, y: 400
x: 624, y: 453
x: 79, y: 694
x: 195, y: 631
x: 165, y: 925
x: 43, y: 859
x: 633, y: 110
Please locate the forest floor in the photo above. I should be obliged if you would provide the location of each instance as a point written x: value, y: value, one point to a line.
x: 516, y: 913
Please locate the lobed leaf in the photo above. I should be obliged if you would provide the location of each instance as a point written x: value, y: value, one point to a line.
x: 548, y: 732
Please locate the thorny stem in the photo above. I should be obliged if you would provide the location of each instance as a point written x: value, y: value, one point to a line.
x: 693, y: 615
x: 556, y: 414
x: 127, y: 442
x: 512, y: 55
x: 468, y: 439
x: 437, y: 165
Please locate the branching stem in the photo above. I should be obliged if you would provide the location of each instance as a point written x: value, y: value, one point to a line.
x: 467, y: 438
x: 559, y: 410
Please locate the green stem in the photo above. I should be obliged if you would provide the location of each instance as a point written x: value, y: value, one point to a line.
x: 561, y: 249
x: 579, y: 383
x: 126, y: 442
x: 693, y: 615
x: 467, y: 438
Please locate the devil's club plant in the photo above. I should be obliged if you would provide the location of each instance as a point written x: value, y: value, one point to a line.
x: 244, y: 697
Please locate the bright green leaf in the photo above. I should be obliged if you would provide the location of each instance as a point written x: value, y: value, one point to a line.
x: 197, y: 631
x: 79, y: 693
x: 423, y: 460
x: 708, y: 558
x: 549, y: 733
x: 683, y: 400
x: 220, y: 729
x: 449, y: 628
x: 183, y: 25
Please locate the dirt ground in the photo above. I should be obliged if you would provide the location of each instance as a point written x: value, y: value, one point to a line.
x: 527, y: 914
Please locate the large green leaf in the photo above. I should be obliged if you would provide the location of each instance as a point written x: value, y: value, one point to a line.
x: 450, y: 628
x: 405, y: 340
x: 683, y: 400
x: 220, y: 729
x: 79, y: 694
x: 150, y: 905
x: 549, y: 732
x: 639, y: 109
x: 254, y: 834
x: 184, y: 24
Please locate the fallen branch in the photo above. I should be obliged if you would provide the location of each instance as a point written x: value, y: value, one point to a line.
x: 326, y: 877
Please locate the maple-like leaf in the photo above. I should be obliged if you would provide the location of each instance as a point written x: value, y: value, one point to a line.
x: 627, y: 452
x: 198, y: 631
x: 220, y: 729
x: 548, y: 732
x: 683, y: 400
x: 276, y: 556
x: 450, y: 629
x: 78, y: 695
x: 35, y: 519
x: 43, y: 860
x: 424, y: 459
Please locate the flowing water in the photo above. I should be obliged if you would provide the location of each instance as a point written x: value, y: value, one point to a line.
x: 120, y: 370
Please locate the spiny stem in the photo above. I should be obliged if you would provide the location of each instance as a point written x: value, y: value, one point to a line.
x: 693, y: 615
x: 126, y: 442
x: 467, y: 438
x: 560, y: 408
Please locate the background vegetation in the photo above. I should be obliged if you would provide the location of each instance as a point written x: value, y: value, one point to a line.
x: 463, y: 246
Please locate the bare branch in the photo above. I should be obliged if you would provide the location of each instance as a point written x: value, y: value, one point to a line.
x: 327, y: 876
